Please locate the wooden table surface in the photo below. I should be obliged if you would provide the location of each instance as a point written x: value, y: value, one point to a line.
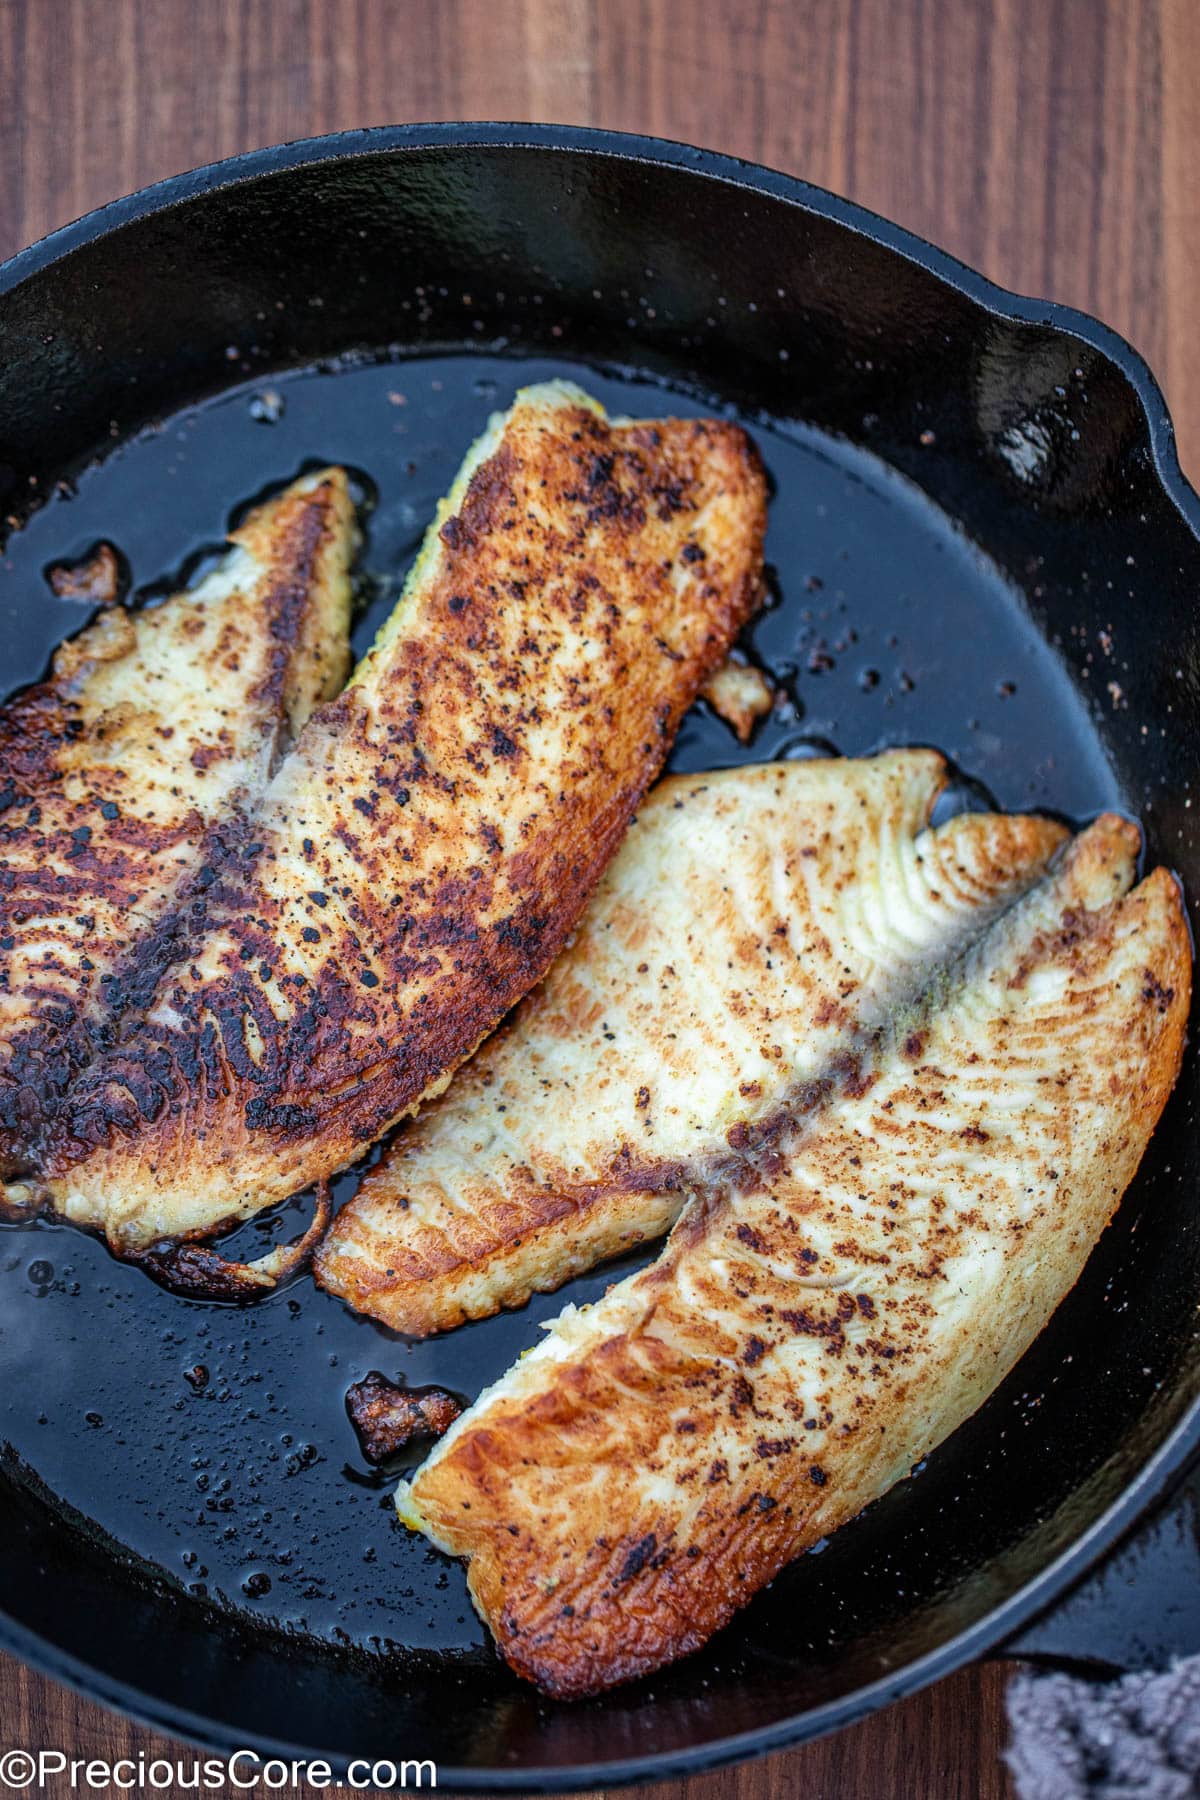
x: 1051, y: 143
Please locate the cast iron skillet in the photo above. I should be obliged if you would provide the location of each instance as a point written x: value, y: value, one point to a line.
x: 980, y: 539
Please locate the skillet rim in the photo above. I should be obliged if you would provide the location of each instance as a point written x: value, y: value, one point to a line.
x: 1157, y: 1475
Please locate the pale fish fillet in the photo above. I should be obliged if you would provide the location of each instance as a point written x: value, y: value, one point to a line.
x: 753, y: 921
x: 818, y: 1326
x: 432, y: 839
x: 153, y: 724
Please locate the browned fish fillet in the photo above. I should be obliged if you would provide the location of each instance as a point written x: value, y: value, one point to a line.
x: 153, y: 724
x: 431, y: 841
x: 751, y: 922
x: 821, y: 1322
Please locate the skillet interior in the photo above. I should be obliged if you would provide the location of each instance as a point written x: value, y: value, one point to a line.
x: 972, y: 497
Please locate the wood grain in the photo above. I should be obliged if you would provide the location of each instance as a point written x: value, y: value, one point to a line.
x: 1051, y: 143
x: 939, y: 1745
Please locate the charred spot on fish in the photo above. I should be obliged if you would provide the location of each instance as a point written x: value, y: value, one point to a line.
x: 1155, y: 994
x: 637, y: 1558
x: 523, y: 936
x: 196, y: 1272
x: 205, y: 755
x: 264, y: 1115
x: 849, y: 1070
x: 808, y: 1324
x: 741, y: 1396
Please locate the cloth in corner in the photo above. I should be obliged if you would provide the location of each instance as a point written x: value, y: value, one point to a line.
x: 1133, y: 1739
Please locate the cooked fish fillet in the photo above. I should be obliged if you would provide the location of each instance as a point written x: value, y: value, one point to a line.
x: 818, y: 1324
x: 153, y: 724
x: 430, y: 842
x: 752, y: 922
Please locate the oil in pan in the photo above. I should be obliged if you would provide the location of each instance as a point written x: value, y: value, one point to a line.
x: 210, y: 1441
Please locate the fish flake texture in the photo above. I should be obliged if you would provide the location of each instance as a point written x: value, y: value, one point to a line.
x: 813, y: 1330
x: 156, y: 727
x: 425, y: 850
x: 754, y: 923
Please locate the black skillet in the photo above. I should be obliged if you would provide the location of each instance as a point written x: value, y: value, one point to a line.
x: 980, y: 539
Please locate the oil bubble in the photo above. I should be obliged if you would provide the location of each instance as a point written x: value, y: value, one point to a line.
x: 268, y: 407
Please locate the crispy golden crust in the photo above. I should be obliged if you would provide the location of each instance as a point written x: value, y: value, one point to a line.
x: 740, y: 694
x: 431, y: 841
x: 753, y: 924
x: 153, y: 725
x: 809, y: 1334
x: 96, y: 579
x: 198, y: 1271
x: 388, y: 1416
